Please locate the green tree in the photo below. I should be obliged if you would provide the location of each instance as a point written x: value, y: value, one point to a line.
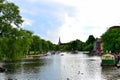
x: 9, y: 14
x: 45, y: 46
x: 14, y: 42
x: 51, y: 46
x: 36, y: 45
x: 90, y: 39
x: 89, y: 43
x: 71, y: 46
x: 26, y: 40
x: 41, y: 46
x: 111, y: 39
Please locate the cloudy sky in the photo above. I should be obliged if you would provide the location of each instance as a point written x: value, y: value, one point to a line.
x: 69, y: 19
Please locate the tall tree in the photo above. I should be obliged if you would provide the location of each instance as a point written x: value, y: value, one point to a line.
x: 90, y: 39
x: 36, y: 45
x: 111, y: 39
x: 89, y: 43
x: 10, y: 38
x: 9, y: 14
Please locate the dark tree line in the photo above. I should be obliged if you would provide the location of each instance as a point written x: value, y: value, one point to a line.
x: 78, y: 45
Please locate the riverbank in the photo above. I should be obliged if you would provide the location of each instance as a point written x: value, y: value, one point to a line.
x: 35, y: 56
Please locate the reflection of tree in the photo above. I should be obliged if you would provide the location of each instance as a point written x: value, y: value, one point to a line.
x: 32, y: 66
x: 27, y: 67
x: 110, y: 72
x: 12, y: 68
x: 17, y: 67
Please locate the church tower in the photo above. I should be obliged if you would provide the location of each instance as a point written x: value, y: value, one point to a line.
x: 59, y: 41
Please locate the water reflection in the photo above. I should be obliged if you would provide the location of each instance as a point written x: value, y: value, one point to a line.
x: 56, y: 67
x: 21, y: 70
x: 81, y: 67
x: 111, y: 73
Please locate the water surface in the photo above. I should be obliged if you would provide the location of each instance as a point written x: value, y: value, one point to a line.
x: 56, y: 67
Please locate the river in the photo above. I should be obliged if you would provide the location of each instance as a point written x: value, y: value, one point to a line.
x: 56, y: 67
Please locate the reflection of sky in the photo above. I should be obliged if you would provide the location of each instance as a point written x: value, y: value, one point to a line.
x: 81, y: 67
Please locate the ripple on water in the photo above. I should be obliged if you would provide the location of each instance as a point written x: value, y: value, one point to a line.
x: 56, y: 67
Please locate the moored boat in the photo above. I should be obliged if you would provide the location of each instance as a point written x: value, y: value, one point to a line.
x: 108, y: 59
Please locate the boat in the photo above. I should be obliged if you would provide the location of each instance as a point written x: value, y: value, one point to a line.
x: 108, y: 59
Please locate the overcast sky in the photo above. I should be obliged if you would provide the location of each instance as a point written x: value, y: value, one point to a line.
x: 69, y: 19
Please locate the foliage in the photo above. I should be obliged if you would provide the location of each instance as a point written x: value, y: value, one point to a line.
x: 9, y: 14
x: 14, y: 42
x: 36, y: 44
x: 72, y: 46
x: 15, y: 45
x: 77, y: 45
x: 90, y: 39
x: 88, y: 47
x: 40, y: 45
x: 89, y: 43
x: 111, y: 40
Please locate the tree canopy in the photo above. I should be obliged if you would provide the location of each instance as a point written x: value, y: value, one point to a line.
x: 9, y: 14
x: 14, y: 42
x: 111, y: 39
x: 78, y: 45
x: 89, y: 43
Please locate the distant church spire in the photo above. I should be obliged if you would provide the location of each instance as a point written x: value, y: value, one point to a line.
x: 59, y: 41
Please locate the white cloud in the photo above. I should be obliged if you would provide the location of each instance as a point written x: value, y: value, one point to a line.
x: 27, y: 22
x: 90, y: 17
x: 71, y: 29
x: 53, y: 35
